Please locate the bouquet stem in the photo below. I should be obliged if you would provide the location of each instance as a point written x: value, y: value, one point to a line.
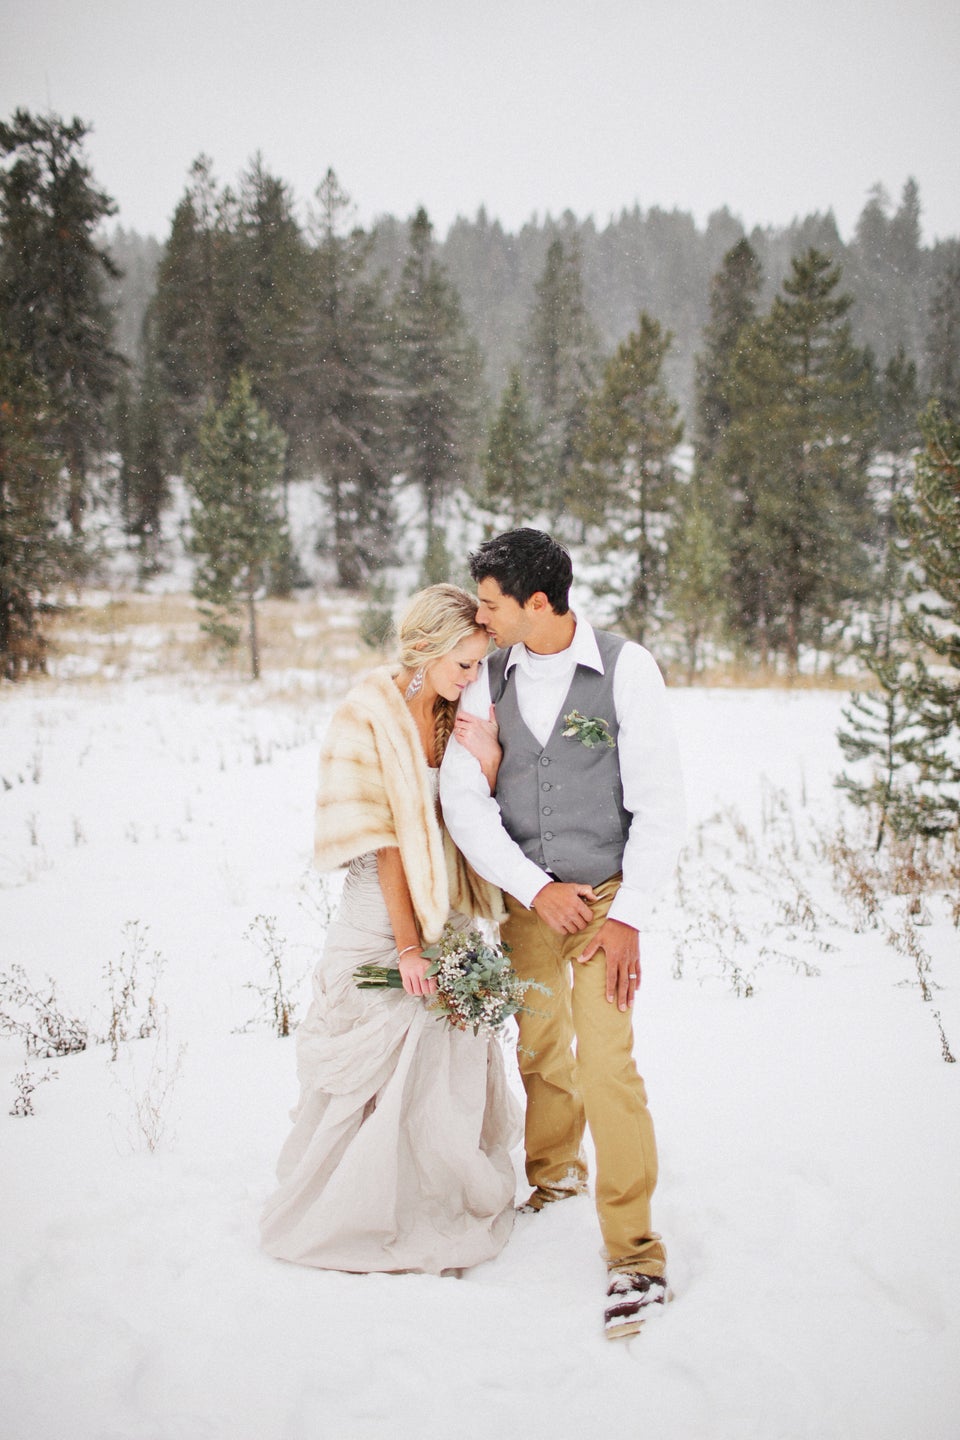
x: 378, y: 977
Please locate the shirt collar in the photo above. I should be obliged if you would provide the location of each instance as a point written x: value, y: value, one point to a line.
x: 582, y: 650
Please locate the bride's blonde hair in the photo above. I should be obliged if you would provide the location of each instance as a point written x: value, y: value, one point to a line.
x: 434, y: 623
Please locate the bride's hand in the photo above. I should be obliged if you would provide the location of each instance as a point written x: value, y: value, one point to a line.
x: 413, y: 972
x: 480, y: 738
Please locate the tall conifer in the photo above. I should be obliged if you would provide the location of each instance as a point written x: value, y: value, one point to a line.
x: 272, y: 282
x: 31, y: 493
x: 562, y: 351
x: 512, y: 488
x: 943, y: 341
x: 238, y: 527
x: 627, y: 479
x: 347, y: 394
x: 794, y: 459
x: 931, y: 523
x: 51, y: 275
x: 438, y: 370
x: 734, y: 292
x: 194, y: 318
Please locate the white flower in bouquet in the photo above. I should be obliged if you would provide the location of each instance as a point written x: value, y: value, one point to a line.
x: 477, y: 987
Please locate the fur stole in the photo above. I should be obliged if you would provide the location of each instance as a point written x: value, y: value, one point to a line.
x: 375, y: 791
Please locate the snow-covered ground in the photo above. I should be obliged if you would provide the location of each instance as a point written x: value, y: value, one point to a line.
x: 809, y: 1126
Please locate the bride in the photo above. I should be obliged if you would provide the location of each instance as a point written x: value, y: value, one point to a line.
x: 399, y: 1154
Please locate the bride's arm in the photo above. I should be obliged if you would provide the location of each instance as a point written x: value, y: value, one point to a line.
x: 403, y: 922
x: 480, y: 737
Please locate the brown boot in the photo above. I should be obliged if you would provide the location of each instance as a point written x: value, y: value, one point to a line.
x: 629, y: 1298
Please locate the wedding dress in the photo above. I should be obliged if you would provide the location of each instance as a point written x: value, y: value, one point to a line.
x: 399, y: 1157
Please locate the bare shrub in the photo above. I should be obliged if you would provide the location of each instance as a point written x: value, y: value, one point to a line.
x: 25, y: 1083
x: 35, y: 1014
x: 945, y: 1051
x: 276, y: 1005
x: 153, y: 1093
x: 130, y: 1016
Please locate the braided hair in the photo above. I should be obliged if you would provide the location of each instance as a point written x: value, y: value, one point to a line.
x: 434, y: 623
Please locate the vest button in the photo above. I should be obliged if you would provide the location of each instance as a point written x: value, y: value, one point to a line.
x: 547, y: 810
x: 546, y: 785
x: 548, y: 834
x: 544, y: 760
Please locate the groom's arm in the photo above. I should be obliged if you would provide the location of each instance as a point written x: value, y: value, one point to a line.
x: 472, y: 815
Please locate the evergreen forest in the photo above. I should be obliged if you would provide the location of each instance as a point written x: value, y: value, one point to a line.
x: 749, y: 440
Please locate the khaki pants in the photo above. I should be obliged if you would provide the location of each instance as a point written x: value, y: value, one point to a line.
x: 598, y: 1086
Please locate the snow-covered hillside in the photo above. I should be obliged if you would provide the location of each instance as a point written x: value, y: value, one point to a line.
x: 807, y: 1120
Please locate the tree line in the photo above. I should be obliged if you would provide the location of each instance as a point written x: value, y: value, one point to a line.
x: 819, y: 509
x: 534, y: 377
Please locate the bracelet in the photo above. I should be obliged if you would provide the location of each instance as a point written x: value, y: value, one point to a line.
x: 406, y: 950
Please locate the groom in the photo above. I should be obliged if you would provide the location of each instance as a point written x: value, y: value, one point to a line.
x: 586, y: 819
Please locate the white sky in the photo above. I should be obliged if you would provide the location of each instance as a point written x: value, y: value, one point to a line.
x: 775, y: 108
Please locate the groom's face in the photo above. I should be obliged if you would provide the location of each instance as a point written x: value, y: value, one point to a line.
x: 504, y: 619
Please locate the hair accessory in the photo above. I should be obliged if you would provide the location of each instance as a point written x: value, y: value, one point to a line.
x: 415, y: 686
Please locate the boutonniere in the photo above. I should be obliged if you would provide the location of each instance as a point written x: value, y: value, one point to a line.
x: 589, y: 731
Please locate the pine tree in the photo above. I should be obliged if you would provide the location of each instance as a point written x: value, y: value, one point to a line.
x: 438, y: 369
x: 879, y: 723
x: 908, y: 727
x: 562, y: 363
x: 943, y: 341
x: 905, y: 231
x: 880, y: 726
x: 238, y: 527
x: 272, y: 281
x: 31, y: 495
x: 348, y: 411
x: 144, y: 485
x: 627, y: 480
x: 695, y: 574
x: 193, y: 320
x: 51, y: 276
x: 794, y: 460
x: 734, y: 292
x: 512, y: 478
x: 894, y: 435
x: 885, y: 272
x: 931, y: 523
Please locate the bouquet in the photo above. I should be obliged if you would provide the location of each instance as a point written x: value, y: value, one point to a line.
x: 477, y: 988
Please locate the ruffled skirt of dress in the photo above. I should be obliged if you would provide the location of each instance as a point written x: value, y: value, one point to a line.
x: 399, y: 1157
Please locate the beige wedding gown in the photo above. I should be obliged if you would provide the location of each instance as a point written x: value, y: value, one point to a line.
x: 399, y: 1157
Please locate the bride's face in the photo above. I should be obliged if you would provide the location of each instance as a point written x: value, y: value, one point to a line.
x: 452, y: 673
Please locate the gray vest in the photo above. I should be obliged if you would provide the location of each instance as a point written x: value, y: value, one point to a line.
x: 563, y: 802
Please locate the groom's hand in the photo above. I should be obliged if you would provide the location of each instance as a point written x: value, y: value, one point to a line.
x: 564, y: 906
x: 621, y: 945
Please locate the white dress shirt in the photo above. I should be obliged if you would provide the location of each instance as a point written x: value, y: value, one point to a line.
x: 649, y: 770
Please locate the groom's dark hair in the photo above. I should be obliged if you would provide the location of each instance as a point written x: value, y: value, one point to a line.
x: 523, y: 562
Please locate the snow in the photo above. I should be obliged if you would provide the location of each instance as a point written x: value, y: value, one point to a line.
x: 809, y: 1138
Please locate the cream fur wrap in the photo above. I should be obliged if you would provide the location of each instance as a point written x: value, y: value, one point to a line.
x: 375, y: 792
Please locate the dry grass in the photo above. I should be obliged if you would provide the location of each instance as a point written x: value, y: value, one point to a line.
x: 735, y: 675
x: 309, y: 642
x: 305, y: 643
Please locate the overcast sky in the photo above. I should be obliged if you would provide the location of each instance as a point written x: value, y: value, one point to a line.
x: 775, y: 108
